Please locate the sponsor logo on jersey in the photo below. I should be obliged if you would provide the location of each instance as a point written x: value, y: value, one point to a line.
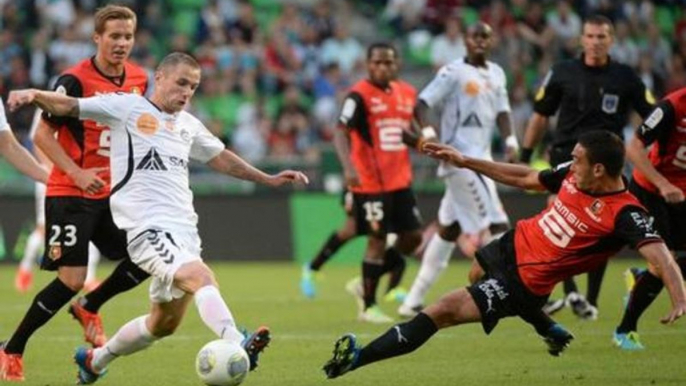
x: 152, y: 161
x: 653, y: 119
x: 610, y: 103
x: 472, y: 88
x: 147, y: 124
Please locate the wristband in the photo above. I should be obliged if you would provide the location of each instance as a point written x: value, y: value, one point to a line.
x: 511, y: 141
x: 525, y: 155
x: 428, y: 132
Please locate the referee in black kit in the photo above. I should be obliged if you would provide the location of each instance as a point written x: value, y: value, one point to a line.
x: 591, y: 92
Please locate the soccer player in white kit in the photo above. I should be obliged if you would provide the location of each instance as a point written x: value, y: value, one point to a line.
x: 17, y: 154
x: 152, y: 141
x: 23, y: 279
x: 472, y: 97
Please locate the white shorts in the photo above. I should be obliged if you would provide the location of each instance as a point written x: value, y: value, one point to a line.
x: 161, y: 253
x: 40, y: 204
x: 471, y: 200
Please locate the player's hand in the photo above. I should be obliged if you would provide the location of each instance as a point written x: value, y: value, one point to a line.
x: 351, y: 178
x: 444, y: 153
x: 677, y: 311
x: 671, y: 193
x: 288, y: 177
x: 20, y: 98
x: 88, y: 179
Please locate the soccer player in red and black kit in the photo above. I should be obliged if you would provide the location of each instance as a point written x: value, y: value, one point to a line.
x: 659, y: 182
x: 78, y: 189
x: 374, y: 121
x: 590, y: 220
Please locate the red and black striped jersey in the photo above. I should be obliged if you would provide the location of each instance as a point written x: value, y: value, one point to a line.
x: 376, y: 118
x: 86, y: 142
x: 578, y: 232
x: 665, y: 130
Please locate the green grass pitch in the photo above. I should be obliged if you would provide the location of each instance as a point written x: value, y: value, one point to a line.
x: 304, y: 330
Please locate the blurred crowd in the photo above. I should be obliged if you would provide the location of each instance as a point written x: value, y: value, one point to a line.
x: 275, y: 71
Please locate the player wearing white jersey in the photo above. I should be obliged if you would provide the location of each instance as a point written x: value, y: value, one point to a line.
x: 152, y: 142
x: 23, y: 279
x: 472, y: 97
x: 15, y: 153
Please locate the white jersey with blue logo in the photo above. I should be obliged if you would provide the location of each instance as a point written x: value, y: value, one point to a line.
x: 469, y: 99
x: 150, y: 151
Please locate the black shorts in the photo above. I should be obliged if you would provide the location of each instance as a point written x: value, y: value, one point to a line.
x: 670, y: 219
x: 71, y: 223
x: 392, y: 212
x: 500, y: 293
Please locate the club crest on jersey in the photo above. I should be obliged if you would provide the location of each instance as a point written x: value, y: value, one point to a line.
x: 595, y: 209
x: 147, y: 124
x: 136, y: 90
x: 55, y: 252
x: 610, y: 103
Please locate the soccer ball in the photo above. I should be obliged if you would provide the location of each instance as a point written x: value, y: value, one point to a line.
x: 222, y: 363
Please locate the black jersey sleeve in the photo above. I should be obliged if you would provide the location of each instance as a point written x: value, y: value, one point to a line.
x: 66, y: 84
x: 353, y: 115
x: 549, y: 94
x: 634, y: 226
x: 552, y: 179
x: 642, y: 100
x: 660, y: 122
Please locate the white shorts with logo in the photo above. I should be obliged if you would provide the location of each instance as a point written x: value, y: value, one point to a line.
x: 161, y: 253
x: 471, y: 200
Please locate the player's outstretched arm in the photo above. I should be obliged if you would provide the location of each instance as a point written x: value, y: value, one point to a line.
x: 662, y: 265
x: 519, y: 176
x: 228, y: 162
x: 50, y: 101
x: 20, y: 158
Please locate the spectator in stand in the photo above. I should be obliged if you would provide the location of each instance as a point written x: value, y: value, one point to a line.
x: 248, y: 139
x: 624, y: 50
x: 566, y: 27
x: 404, y: 15
x: 344, y: 50
x: 658, y: 48
x: 322, y: 20
x: 448, y: 46
x: 532, y: 27
x: 281, y: 62
x: 245, y: 26
x: 436, y: 12
x: 651, y: 78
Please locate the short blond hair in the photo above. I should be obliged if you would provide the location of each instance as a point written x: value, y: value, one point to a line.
x: 112, y: 12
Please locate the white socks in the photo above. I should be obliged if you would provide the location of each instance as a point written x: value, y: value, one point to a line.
x: 132, y: 337
x: 216, y: 315
x: 34, y: 245
x: 434, y: 261
x: 93, y: 260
